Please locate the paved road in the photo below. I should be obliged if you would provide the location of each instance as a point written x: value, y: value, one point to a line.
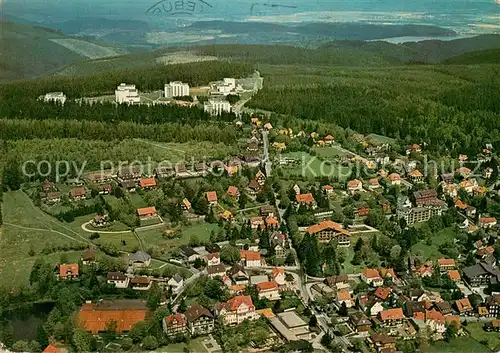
x: 266, y: 159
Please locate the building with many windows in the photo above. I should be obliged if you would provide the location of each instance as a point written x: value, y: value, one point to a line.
x: 125, y: 93
x: 217, y: 106
x: 327, y: 230
x: 176, y: 89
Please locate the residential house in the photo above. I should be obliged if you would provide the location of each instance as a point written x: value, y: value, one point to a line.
x: 212, y: 198
x: 343, y: 296
x: 327, y: 230
x: 392, y: 317
x: 236, y: 310
x: 388, y: 273
x: 394, y: 179
x: 104, y: 189
x: 382, y: 293
x: 95, y: 317
x: 375, y: 308
x: 444, y: 308
x: 175, y: 324
x: 188, y: 253
x: 267, y: 211
x: 434, y: 319
x: 250, y: 258
x: 493, y: 305
x: 139, y: 259
x: 305, y: 200
x: 278, y: 243
x: 268, y: 290
x: 118, y: 279
x: 147, y: 212
x: 51, y: 349
x: 260, y: 177
x: 176, y: 283
x: 200, y: 320
x: 468, y: 185
x: 413, y: 148
x: 416, y: 176
x: 233, y: 192
x: 329, y: 140
x: 492, y: 326
x: 447, y: 178
x: 68, y: 271
x: 213, y: 259
x: 47, y: 186
x: 128, y: 185
x: 354, y: 185
x: 327, y: 189
x: 88, y: 256
x: 337, y: 282
x: 487, y: 172
x: 382, y: 342
x: 372, y: 277
x: 487, y: 222
x: 481, y: 274
x: 130, y: 173
x: 257, y: 222
x: 216, y: 270
x: 227, y: 216
x: 446, y: 265
x: 238, y: 274
x: 463, y: 172
x: 360, y: 322
x: 464, y: 307
x: 186, y: 205
x: 272, y: 222
x: 53, y: 197
x: 78, y: 193
x: 412, y: 307
x: 373, y: 184
x: 140, y: 283
x: 454, y: 276
x: 278, y: 275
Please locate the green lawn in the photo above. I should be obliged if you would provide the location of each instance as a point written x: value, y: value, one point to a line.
x: 431, y: 251
x: 461, y: 344
x: 329, y: 152
x: 476, y: 331
x: 311, y: 167
x: 137, y: 200
x: 349, y: 268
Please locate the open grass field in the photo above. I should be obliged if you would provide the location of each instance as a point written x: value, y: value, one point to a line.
x: 431, y: 251
x: 476, y: 331
x: 137, y: 200
x: 461, y: 344
x: 330, y: 152
x: 311, y: 167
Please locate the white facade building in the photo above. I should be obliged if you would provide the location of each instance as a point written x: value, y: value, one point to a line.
x: 176, y: 89
x: 57, y: 97
x: 125, y: 93
x: 217, y: 106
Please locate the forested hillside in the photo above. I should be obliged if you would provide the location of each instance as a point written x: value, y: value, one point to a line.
x: 447, y: 107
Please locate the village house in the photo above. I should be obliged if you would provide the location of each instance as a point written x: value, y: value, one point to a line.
x: 68, y: 271
x: 372, y: 277
x: 327, y: 230
x: 327, y: 189
x: 392, y: 317
x: 236, y: 310
x: 175, y: 324
x: 51, y: 349
x: 227, y: 216
x: 487, y: 172
x: 139, y: 259
x: 454, y: 275
x: 433, y: 319
x: 146, y: 212
x: 375, y: 308
x: 382, y: 293
x: 95, y: 317
x: 493, y: 305
x: 337, y: 282
x: 360, y: 322
x: 354, y: 185
x: 444, y: 308
x: 200, y: 320
x: 416, y: 176
x: 343, y: 296
x: 88, y: 257
x: 413, y: 148
x: 47, y: 186
x: 305, y: 200
x: 104, y: 189
x: 213, y: 259
x: 128, y: 185
x: 394, y: 179
x: 130, y: 173
x: 278, y: 244
x: 147, y: 183
x: 257, y: 222
x: 118, y: 279
x: 238, y: 274
x: 446, y: 265
x: 78, y: 193
x: 140, y: 283
x: 464, y: 172
x: 53, y: 197
x: 382, y: 342
x: 329, y: 140
x: 278, y: 275
x: 492, y: 326
x: 468, y: 185
x: 388, y: 273
x: 212, y: 198
x: 487, y: 222
x: 250, y: 258
x: 233, y: 192
x: 176, y: 283
x: 464, y: 307
x: 268, y: 290
x: 186, y: 205
x: 216, y: 270
x: 373, y: 184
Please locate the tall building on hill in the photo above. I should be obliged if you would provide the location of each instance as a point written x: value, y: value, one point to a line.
x: 176, y: 89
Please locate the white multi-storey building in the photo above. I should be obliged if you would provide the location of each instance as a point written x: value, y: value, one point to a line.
x: 57, y: 97
x: 217, y: 106
x: 125, y: 93
x: 176, y: 89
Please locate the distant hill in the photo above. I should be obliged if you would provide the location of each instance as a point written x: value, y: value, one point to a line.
x: 490, y: 56
x: 30, y: 51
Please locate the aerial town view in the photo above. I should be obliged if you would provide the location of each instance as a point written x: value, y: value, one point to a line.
x: 294, y: 178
